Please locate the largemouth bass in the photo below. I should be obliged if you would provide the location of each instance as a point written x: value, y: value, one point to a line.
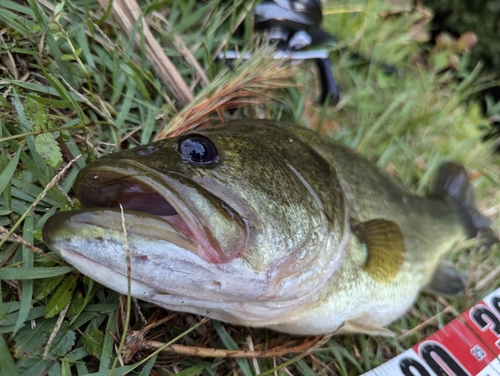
x: 266, y: 224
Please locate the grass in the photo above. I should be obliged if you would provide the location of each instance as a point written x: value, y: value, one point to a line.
x: 72, y: 83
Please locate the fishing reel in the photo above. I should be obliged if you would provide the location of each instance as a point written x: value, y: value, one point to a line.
x: 289, y: 23
x: 294, y: 25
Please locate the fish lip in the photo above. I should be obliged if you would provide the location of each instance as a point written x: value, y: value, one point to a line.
x: 103, y: 274
x: 65, y: 225
x: 138, y: 173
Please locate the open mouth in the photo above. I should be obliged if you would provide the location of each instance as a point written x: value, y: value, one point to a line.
x: 175, y: 198
x: 112, y: 190
x: 140, y: 198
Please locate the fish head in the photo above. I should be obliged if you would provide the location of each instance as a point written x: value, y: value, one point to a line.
x: 240, y: 222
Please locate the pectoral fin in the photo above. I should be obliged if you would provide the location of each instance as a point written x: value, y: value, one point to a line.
x: 446, y: 281
x: 357, y: 327
x: 385, y: 247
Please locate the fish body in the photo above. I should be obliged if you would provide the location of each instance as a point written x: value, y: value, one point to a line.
x: 265, y: 224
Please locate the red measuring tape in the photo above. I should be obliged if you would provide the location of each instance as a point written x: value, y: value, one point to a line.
x: 467, y: 346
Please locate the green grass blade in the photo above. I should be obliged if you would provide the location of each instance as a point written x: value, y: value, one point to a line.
x: 7, y: 365
x: 8, y: 172
x: 27, y: 284
x: 127, y: 104
x: 232, y: 345
x: 107, y: 353
x: 27, y: 273
x: 61, y: 297
x: 146, y: 370
x: 53, y: 45
x: 21, y: 25
x: 194, y: 370
x: 27, y: 127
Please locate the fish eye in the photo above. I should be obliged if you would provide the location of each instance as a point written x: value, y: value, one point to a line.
x: 198, y: 150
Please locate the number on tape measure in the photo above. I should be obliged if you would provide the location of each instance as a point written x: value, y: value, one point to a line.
x: 484, y: 319
x: 431, y: 352
x: 436, y: 357
x: 406, y: 364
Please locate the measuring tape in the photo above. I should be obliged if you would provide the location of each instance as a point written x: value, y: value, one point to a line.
x: 467, y: 346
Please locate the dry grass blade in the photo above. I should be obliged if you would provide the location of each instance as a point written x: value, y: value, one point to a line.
x: 251, y: 82
x: 127, y: 14
x: 307, y: 346
x: 427, y: 322
x: 56, y: 329
x: 14, y: 238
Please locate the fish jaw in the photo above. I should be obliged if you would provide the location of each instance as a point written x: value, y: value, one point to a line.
x: 165, y: 268
x: 94, y: 241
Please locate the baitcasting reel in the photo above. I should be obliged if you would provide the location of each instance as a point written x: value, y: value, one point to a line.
x: 294, y: 25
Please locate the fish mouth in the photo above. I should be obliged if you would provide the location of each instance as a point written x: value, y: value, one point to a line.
x: 196, y: 214
x: 111, y: 189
